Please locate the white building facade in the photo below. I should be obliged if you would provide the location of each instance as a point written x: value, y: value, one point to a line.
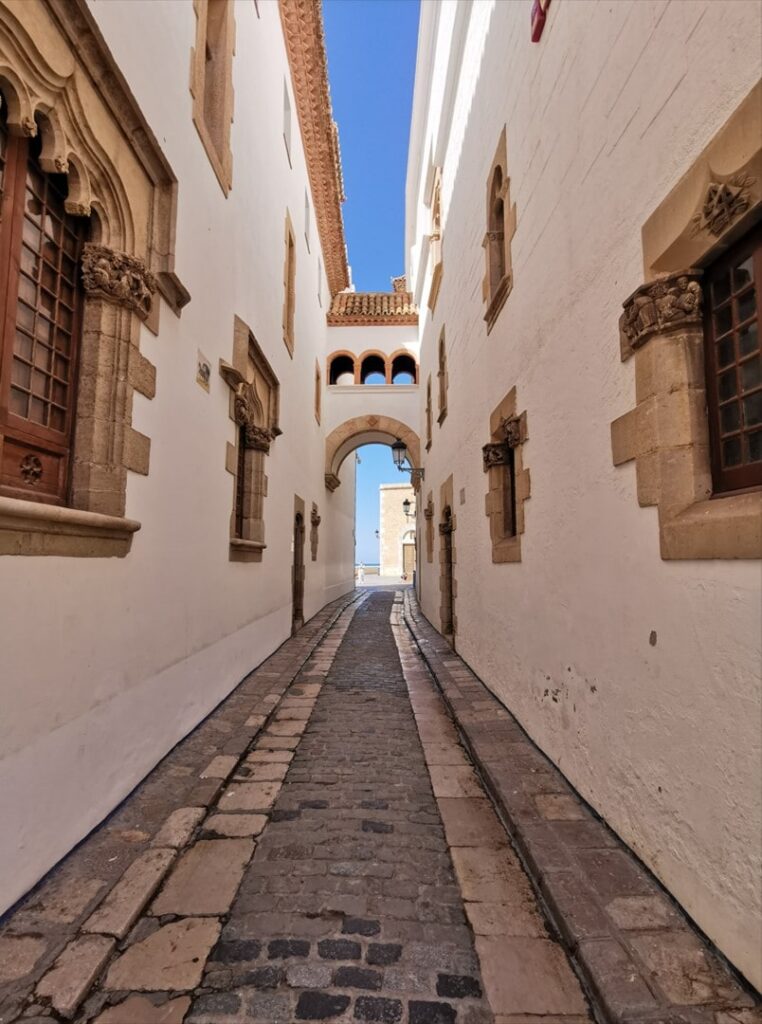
x: 586, y: 561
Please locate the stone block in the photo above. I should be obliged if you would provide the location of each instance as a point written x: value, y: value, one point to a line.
x: 454, y: 781
x: 179, y: 826
x: 140, y: 1010
x: 205, y: 879
x: 172, y: 959
x: 487, y: 875
x: 250, y: 796
x: 523, y: 975
x: 236, y: 825
x: 68, y: 981
x: 18, y: 955
x: 471, y: 822
x: 120, y: 909
x: 686, y: 971
x: 519, y: 917
x: 219, y: 767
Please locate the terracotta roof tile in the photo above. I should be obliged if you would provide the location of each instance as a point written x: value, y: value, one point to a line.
x: 394, y: 308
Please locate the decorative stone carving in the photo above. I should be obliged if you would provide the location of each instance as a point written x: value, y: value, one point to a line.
x: 428, y: 510
x: 668, y: 304
x: 315, y: 518
x: 31, y: 469
x: 332, y: 481
x: 446, y: 527
x: 496, y: 453
x: 248, y: 409
x: 723, y: 203
x: 258, y: 438
x: 315, y: 521
x: 117, y: 277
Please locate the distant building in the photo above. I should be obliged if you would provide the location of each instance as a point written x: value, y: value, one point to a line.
x: 396, y: 530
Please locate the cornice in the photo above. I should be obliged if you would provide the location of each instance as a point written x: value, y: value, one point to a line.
x: 305, y: 45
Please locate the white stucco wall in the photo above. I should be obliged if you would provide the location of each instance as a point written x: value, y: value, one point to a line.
x: 107, y: 663
x: 603, y: 117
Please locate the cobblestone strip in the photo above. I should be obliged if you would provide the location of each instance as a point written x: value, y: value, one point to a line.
x: 349, y: 909
x: 526, y: 973
x: 57, y: 942
x: 639, y: 956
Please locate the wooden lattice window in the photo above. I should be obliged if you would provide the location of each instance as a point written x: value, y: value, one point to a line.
x: 734, y: 364
x: 40, y: 315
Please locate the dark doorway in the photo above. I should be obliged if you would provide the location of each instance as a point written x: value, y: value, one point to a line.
x: 446, y: 614
x: 297, y: 574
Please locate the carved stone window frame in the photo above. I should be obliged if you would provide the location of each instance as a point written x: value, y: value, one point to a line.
x: 667, y: 433
x: 256, y: 417
x: 507, y: 428
x: 428, y: 514
x: 495, y: 296
x: 60, y: 80
x: 221, y: 159
x: 435, y: 239
x: 442, y: 377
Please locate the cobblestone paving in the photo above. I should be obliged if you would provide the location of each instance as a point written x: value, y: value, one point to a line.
x: 350, y: 908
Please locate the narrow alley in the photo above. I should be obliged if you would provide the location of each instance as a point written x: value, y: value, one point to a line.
x: 320, y: 848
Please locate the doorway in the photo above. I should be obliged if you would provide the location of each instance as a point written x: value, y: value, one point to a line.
x: 446, y: 578
x: 297, y: 575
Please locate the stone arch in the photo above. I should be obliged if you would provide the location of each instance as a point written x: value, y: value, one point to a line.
x: 375, y: 359
x: 366, y: 430
x: 342, y: 358
x: 402, y: 360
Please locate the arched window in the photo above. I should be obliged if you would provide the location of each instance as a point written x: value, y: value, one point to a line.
x: 496, y: 228
x: 341, y: 370
x: 40, y: 318
x: 404, y: 369
x: 373, y: 369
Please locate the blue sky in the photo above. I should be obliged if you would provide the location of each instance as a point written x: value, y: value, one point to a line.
x: 371, y: 65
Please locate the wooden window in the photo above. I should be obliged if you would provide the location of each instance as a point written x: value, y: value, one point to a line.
x: 289, y: 281
x: 40, y: 314
x: 733, y: 316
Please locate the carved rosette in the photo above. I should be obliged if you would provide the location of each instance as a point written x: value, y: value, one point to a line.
x: 723, y: 203
x: 671, y: 303
x: 119, y: 278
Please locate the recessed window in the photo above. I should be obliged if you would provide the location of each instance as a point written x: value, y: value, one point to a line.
x: 404, y: 369
x: 289, y: 283
x: 342, y: 370
x: 287, y: 120
x: 373, y: 369
x: 442, y: 378
x: 40, y: 248
x: 212, y: 83
x: 318, y: 391
x: 733, y: 317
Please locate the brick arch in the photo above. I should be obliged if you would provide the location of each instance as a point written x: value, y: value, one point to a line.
x: 366, y: 430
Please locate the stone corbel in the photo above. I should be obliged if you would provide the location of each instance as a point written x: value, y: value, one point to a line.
x: 497, y: 453
x: 429, y: 509
x: 331, y: 481
x: 119, y: 278
x: 671, y: 303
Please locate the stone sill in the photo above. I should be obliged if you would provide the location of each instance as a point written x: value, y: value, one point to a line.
x: 349, y: 389
x: 729, y: 527
x: 33, y: 528
x: 242, y: 550
x: 497, y: 301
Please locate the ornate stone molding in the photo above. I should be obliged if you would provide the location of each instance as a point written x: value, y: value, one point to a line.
x: 258, y: 438
x: 119, y: 278
x: 671, y: 303
x: 332, y: 481
x: 497, y: 453
x: 724, y: 202
x: 305, y: 44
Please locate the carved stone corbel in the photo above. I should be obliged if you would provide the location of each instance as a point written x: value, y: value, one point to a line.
x: 723, y: 203
x: 331, y: 481
x: 671, y: 303
x: 258, y: 438
x: 497, y: 453
x: 119, y: 278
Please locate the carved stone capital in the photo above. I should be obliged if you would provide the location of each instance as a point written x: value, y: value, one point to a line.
x: 258, y: 438
x: 119, y: 278
x: 669, y: 304
x: 497, y: 453
x: 331, y: 481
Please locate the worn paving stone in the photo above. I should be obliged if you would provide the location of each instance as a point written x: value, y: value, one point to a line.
x: 120, y: 909
x: 141, y: 1010
x: 18, y: 955
x: 205, y: 878
x: 172, y: 959
x: 219, y: 767
x: 471, y: 822
x: 66, y: 984
x: 236, y: 825
x: 523, y: 975
x: 249, y: 796
x: 179, y: 826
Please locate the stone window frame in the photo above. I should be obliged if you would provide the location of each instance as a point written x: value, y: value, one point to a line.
x: 318, y: 392
x: 219, y: 152
x: 435, y: 239
x: 428, y: 515
x: 442, y: 377
x: 495, y: 293
x: 118, y: 177
x: 662, y: 330
x: 508, y: 433
x: 315, y: 521
x: 447, y: 525
x: 429, y: 415
x: 289, y: 287
x: 256, y: 417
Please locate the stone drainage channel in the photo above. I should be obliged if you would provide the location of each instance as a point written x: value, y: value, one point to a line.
x: 336, y: 859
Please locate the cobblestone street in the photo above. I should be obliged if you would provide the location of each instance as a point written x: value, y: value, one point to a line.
x: 321, y: 848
